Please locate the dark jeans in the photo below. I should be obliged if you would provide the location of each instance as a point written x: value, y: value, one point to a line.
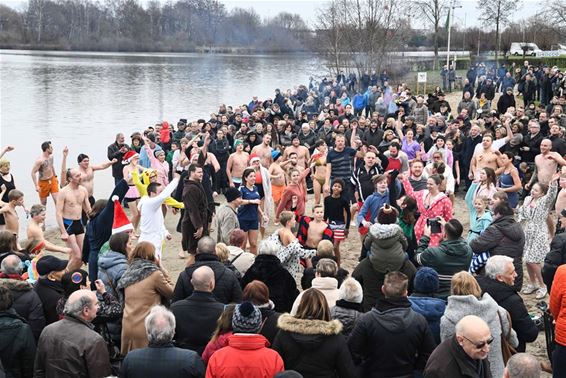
x: 93, y: 267
x: 117, y: 180
x: 559, y: 361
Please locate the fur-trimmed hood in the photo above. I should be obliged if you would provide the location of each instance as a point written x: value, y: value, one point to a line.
x: 309, y: 327
x: 15, y: 285
x: 384, y: 231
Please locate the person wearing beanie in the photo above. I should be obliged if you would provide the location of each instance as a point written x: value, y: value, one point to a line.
x: 247, y: 354
x: 227, y: 215
x: 424, y: 302
x: 348, y: 307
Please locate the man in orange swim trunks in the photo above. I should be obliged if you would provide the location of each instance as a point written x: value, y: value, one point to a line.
x: 43, y: 175
x: 277, y: 175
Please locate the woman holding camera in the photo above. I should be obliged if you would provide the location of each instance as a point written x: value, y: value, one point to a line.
x: 432, y: 203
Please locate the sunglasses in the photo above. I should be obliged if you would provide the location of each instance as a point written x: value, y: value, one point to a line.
x: 481, y: 344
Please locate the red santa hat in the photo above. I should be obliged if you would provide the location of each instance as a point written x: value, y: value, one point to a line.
x: 128, y: 156
x: 254, y: 157
x: 121, y: 222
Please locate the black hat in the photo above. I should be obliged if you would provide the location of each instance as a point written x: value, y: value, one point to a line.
x: 48, y: 264
x: 563, y: 213
x: 426, y: 281
x: 231, y: 194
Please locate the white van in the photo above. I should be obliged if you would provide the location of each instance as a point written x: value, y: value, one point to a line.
x: 517, y: 49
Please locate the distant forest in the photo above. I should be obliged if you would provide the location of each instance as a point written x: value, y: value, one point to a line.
x: 124, y: 25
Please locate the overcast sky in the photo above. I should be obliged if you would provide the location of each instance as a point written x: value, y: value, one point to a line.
x: 467, y: 15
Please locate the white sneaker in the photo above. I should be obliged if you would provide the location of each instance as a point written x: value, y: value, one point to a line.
x: 541, y: 293
x: 529, y: 289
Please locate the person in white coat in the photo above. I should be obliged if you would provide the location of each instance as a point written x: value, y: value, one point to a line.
x: 152, y: 223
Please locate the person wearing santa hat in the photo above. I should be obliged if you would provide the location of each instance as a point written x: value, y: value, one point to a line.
x: 131, y: 161
x: 104, y: 214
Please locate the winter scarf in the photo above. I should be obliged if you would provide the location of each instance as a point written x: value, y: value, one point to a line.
x: 138, y: 271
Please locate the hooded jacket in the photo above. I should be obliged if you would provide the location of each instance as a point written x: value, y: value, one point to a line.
x: 328, y: 286
x: 282, y: 286
x: 371, y: 206
x: 488, y: 310
x: 314, y: 348
x: 226, y: 289
x: 391, y: 340
x: 449, y: 258
x: 247, y: 355
x: 509, y: 299
x: 17, y: 345
x: 26, y: 303
x: 504, y: 102
x: 347, y: 313
x: 432, y: 309
x: 111, y: 267
x: 388, y: 245
x: 503, y: 237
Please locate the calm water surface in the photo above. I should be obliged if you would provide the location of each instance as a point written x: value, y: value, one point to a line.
x: 81, y: 100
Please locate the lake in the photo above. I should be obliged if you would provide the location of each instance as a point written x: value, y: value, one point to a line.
x: 82, y: 99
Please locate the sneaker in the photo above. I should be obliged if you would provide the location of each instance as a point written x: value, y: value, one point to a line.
x: 541, y: 293
x: 529, y: 289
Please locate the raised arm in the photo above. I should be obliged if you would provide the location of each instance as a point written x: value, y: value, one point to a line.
x: 102, y: 166
x: 6, y: 149
x: 64, y: 167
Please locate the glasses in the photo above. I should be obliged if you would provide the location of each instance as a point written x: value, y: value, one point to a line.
x: 481, y: 344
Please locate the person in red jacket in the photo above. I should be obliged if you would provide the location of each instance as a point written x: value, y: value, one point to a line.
x: 247, y: 354
x: 558, y: 310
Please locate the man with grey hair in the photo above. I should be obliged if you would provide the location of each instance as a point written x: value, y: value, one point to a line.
x: 464, y: 354
x: 325, y: 281
x: 26, y: 301
x: 226, y: 288
x: 197, y: 315
x: 268, y: 269
x: 498, y: 283
x: 161, y: 358
x: 70, y: 347
x: 522, y: 365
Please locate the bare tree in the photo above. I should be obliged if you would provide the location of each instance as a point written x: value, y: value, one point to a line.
x: 432, y: 12
x: 555, y: 13
x: 497, y: 12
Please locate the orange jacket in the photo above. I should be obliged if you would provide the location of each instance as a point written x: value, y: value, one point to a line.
x: 558, y: 304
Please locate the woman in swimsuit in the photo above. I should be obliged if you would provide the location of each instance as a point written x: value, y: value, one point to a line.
x: 132, y: 197
x: 509, y: 180
x: 319, y: 177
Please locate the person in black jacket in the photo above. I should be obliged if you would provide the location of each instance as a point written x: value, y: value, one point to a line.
x: 311, y: 343
x: 161, y: 358
x: 196, y: 315
x: 116, y: 151
x: 504, y: 236
x: 557, y: 254
x: 392, y: 339
x: 267, y: 268
x: 26, y: 302
x: 48, y: 287
x: 506, y: 101
x: 498, y: 283
x: 530, y: 147
x: 17, y: 345
x: 226, y: 288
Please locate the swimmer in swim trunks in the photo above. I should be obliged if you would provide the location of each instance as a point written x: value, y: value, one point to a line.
x: 43, y: 175
x: 73, y: 199
x: 237, y: 162
x: 277, y: 177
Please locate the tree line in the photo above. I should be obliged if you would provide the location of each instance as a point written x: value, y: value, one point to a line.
x: 125, y: 25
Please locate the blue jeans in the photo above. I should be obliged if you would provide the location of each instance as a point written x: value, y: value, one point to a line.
x: 93, y: 266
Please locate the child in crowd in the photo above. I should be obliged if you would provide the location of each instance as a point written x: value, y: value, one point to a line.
x: 337, y: 215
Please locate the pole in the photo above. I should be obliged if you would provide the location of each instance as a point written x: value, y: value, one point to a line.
x: 450, y: 15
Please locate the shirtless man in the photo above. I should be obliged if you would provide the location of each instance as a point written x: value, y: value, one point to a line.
x: 561, y: 199
x: 15, y: 199
x: 278, y: 179
x: 73, y: 199
x: 264, y: 150
x: 43, y: 175
x: 35, y: 229
x: 303, y: 155
x: 87, y: 171
x: 546, y: 164
x: 486, y: 157
x: 316, y: 229
x: 237, y: 162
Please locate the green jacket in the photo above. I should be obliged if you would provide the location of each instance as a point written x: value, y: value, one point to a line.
x: 449, y: 258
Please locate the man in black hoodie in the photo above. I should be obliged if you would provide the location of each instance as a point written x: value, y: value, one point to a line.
x: 504, y: 236
x: 227, y: 288
x: 506, y: 101
x: 392, y: 339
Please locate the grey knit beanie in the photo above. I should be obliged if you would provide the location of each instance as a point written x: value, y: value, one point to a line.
x: 246, y: 318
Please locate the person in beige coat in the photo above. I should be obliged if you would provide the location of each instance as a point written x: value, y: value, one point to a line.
x: 325, y: 281
x: 145, y: 284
